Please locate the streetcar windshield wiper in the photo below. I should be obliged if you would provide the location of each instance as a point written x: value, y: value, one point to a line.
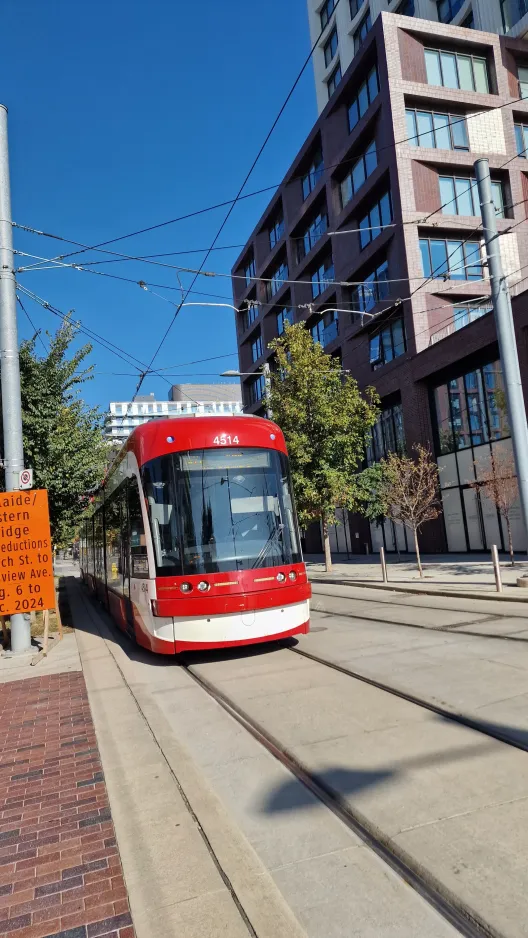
x: 275, y: 534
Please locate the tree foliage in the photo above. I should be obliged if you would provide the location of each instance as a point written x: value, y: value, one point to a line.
x: 372, y: 493
x: 325, y: 420
x: 499, y: 483
x: 63, y: 440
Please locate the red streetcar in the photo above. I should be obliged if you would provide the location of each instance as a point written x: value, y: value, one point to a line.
x: 193, y: 542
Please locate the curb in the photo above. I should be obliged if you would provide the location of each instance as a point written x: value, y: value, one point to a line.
x: 389, y: 587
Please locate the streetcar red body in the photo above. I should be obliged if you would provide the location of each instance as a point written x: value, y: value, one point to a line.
x: 193, y: 541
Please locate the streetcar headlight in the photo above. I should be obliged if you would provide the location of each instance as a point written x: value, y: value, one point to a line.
x: 185, y: 587
x: 203, y: 586
x: 281, y: 577
x: 292, y: 575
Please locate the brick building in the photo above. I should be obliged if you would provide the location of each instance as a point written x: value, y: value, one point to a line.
x: 412, y: 213
x: 339, y: 29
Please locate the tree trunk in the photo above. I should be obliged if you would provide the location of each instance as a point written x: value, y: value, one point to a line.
x: 418, y: 559
x: 510, y: 541
x: 326, y: 543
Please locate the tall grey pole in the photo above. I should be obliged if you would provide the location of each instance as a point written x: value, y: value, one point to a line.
x: 506, y: 335
x: 9, y: 362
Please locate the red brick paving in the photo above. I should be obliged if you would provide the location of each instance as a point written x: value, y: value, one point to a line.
x: 60, y: 872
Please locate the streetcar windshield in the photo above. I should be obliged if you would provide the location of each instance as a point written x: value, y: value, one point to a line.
x: 215, y: 510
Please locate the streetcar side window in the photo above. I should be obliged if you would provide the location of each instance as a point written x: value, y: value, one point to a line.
x: 138, y: 544
x: 113, y: 540
x: 89, y: 546
x: 159, y: 486
x: 99, y: 545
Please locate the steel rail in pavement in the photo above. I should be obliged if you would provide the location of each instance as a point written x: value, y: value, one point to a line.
x: 435, y: 893
x: 480, y: 726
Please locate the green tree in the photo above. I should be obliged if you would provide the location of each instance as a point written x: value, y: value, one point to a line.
x: 325, y: 420
x: 63, y: 439
x: 371, y: 492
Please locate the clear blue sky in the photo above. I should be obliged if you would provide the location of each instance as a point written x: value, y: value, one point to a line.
x: 123, y: 114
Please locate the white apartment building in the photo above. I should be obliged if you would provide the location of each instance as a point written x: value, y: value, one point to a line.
x: 346, y: 25
x: 124, y: 416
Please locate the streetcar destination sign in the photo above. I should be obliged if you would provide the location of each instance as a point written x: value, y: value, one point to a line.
x: 26, y: 558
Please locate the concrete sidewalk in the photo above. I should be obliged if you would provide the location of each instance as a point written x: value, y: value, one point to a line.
x: 468, y: 575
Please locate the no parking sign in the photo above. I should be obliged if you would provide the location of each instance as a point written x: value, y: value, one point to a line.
x: 25, y: 479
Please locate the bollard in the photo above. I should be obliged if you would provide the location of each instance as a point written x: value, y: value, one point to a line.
x: 496, y: 567
x: 383, y: 565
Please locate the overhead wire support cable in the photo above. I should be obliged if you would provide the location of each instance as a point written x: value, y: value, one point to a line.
x: 275, y: 186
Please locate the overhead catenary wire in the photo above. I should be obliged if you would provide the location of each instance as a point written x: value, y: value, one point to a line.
x: 258, y: 191
x: 115, y: 350
x: 36, y: 332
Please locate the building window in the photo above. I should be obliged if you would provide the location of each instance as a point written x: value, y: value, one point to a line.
x: 522, y: 74
x: 283, y: 316
x: 322, y: 277
x: 326, y: 329
x: 471, y: 410
x: 151, y: 408
x: 387, y: 344
x: 361, y: 32
x: 463, y: 315
x: 249, y: 271
x: 173, y: 407
x: 119, y: 408
x: 312, y: 177
x: 448, y: 9
x: 334, y: 80
x: 459, y: 196
x: 312, y: 235
x: 512, y: 11
x: 355, y: 6
x: 364, y: 98
x: 521, y: 138
x: 256, y: 348
x: 361, y: 170
x: 379, y: 216
x: 406, y: 8
x: 276, y: 281
x: 326, y: 13
x: 276, y: 232
x: 454, y: 70
x: 387, y: 434
x: 374, y: 288
x: 159, y: 408
x: 330, y: 47
x: 454, y: 260
x: 469, y: 22
x: 437, y: 131
x: 249, y: 315
x: 256, y: 390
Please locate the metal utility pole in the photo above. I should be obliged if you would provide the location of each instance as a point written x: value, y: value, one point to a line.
x: 506, y: 335
x: 9, y: 362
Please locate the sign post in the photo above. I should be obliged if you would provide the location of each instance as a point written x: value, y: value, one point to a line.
x: 27, y: 582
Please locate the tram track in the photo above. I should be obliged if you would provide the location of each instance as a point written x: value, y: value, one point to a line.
x: 447, y: 629
x: 479, y: 726
x: 432, y: 890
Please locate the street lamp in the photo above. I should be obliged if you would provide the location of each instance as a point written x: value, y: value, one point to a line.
x: 265, y: 370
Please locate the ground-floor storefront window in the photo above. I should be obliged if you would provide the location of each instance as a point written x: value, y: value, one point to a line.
x: 471, y: 421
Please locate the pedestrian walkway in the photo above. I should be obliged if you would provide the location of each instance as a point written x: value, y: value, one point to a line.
x: 451, y: 574
x: 60, y: 871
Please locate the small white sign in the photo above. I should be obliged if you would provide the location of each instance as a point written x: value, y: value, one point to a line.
x: 25, y: 479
